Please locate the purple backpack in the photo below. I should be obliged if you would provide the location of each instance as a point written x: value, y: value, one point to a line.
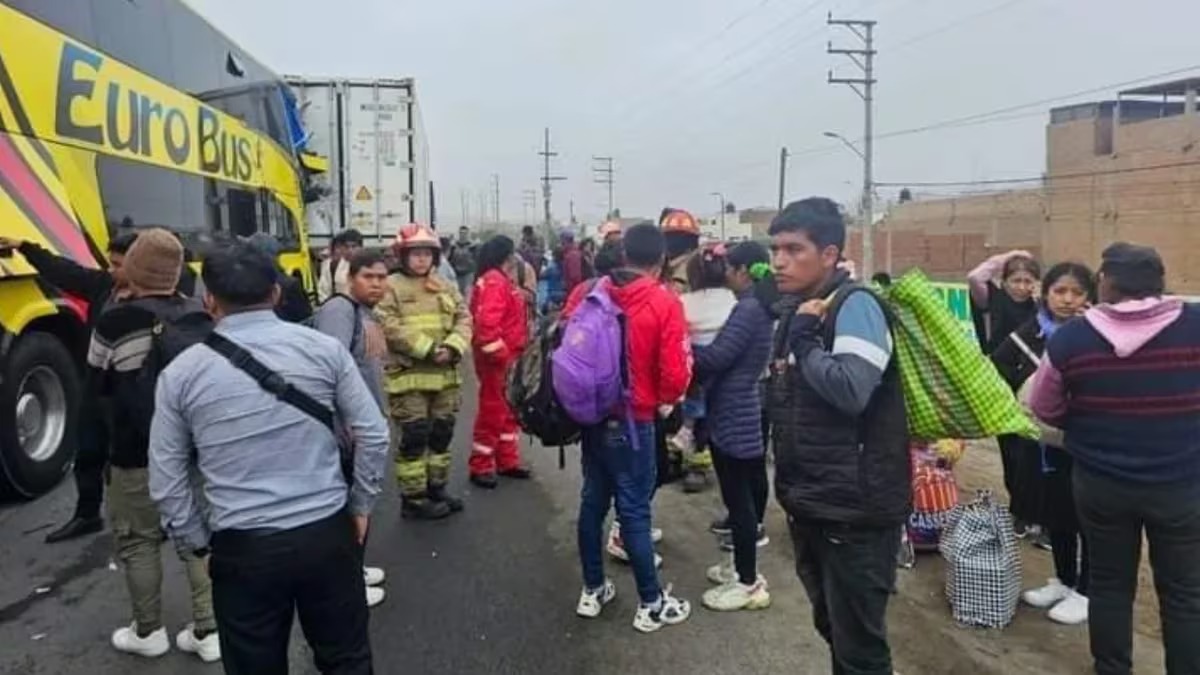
x: 589, y: 363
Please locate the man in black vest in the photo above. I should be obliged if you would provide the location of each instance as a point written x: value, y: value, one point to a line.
x: 841, y: 441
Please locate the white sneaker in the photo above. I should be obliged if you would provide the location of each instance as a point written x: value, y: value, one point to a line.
x: 722, y: 573
x: 735, y: 595
x: 1046, y: 596
x: 669, y: 611
x: 208, y: 649
x: 683, y: 441
x: 656, y: 534
x: 375, y: 595
x: 591, y: 602
x: 616, y: 548
x: 373, y: 576
x: 153, y: 645
x: 1072, y: 611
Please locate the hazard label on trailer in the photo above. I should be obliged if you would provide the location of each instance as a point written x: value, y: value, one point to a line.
x: 363, y: 194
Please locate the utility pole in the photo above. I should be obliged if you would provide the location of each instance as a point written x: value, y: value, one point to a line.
x: 484, y: 209
x: 464, y: 200
x: 529, y: 204
x: 602, y: 171
x: 783, y: 156
x: 496, y: 196
x: 865, y: 87
x: 547, y: 180
x: 572, y: 211
x: 720, y: 196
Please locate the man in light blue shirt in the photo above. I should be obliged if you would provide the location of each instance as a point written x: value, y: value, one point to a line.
x: 284, y: 528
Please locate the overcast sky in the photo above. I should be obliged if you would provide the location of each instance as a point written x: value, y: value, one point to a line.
x: 697, y: 96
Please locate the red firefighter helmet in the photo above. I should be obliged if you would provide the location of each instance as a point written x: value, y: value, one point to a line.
x: 678, y: 220
x: 416, y: 235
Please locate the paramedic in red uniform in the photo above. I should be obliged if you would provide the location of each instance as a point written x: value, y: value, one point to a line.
x: 499, y: 314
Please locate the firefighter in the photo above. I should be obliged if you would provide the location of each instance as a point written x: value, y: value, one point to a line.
x: 498, y: 306
x: 428, y: 331
x: 682, y: 235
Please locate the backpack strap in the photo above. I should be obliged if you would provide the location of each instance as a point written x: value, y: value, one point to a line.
x: 838, y: 298
x: 1024, y: 347
x: 269, y: 380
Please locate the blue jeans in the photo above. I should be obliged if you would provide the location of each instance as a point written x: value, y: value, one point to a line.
x: 613, y: 470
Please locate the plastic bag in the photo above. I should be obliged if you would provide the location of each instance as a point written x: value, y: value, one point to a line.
x: 951, y: 389
x: 983, y: 563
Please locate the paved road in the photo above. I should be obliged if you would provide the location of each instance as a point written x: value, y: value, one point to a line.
x: 493, y: 591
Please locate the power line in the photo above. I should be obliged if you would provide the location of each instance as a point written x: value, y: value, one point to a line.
x: 685, y: 81
x: 1044, y: 178
x: 951, y: 25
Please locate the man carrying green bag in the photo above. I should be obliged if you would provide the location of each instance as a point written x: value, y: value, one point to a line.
x: 840, y: 435
x: 951, y: 389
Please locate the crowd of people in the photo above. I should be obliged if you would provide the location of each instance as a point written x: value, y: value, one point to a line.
x: 257, y: 436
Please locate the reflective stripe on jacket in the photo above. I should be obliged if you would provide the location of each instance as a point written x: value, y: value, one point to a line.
x: 419, y: 315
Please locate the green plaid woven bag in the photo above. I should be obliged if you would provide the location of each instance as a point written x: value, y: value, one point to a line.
x: 950, y: 388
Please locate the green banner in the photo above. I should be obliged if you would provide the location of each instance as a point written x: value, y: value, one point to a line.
x: 958, y: 300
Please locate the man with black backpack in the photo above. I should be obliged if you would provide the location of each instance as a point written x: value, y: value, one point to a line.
x: 132, y: 342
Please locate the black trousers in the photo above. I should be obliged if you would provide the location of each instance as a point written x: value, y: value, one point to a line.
x: 744, y: 490
x: 1114, y: 515
x: 91, y: 455
x: 1071, y: 564
x: 261, y: 580
x: 849, y: 573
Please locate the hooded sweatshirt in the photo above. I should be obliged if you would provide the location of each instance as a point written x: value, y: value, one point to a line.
x: 659, y: 353
x: 1124, y: 384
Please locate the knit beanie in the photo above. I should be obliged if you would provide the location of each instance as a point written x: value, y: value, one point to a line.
x: 153, y: 263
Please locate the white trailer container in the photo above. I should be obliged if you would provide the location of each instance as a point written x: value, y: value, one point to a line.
x: 378, y: 178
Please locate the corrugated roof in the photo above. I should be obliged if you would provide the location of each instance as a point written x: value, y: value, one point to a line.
x: 1175, y: 88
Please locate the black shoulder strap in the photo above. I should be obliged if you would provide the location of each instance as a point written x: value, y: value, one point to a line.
x: 840, y: 296
x: 269, y: 379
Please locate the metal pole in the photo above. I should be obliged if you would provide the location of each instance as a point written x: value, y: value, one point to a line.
x: 721, y: 197
x: 783, y: 157
x: 869, y: 160
x: 865, y: 59
x: 547, y: 179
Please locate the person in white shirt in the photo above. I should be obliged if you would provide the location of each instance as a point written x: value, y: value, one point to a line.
x: 335, y: 271
x: 706, y: 308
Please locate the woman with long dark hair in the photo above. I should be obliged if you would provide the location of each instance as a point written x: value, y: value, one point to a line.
x: 729, y: 369
x: 500, y: 333
x: 1067, y: 291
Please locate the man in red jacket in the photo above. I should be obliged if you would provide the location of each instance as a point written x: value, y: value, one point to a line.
x: 617, y: 467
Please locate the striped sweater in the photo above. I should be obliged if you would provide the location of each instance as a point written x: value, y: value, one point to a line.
x: 1124, y: 384
x: 119, y: 345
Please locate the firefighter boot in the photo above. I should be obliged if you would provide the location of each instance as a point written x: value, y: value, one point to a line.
x: 423, y: 508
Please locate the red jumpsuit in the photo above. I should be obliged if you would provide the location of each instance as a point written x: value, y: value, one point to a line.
x: 500, y: 333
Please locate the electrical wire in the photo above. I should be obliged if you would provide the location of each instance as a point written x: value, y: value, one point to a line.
x: 1045, y: 178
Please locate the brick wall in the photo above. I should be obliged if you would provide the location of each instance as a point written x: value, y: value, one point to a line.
x: 1134, y: 193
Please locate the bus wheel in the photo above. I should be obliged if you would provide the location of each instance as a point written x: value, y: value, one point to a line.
x: 39, y: 410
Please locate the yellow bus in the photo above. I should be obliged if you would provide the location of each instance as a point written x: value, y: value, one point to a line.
x: 114, y: 116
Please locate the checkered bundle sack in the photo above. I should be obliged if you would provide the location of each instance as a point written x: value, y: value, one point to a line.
x: 983, y: 563
x: 951, y: 389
